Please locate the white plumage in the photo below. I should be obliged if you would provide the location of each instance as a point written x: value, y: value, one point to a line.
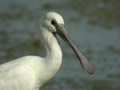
x: 31, y: 72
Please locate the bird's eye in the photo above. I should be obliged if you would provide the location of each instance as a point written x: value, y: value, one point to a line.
x: 53, y: 22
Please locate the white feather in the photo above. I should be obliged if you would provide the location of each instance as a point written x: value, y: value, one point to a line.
x: 31, y: 72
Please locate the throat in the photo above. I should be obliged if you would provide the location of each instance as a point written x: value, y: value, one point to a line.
x: 53, y: 59
x: 53, y: 50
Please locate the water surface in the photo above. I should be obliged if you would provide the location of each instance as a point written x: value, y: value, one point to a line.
x: 93, y: 26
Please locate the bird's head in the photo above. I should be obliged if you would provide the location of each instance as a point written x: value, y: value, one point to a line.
x: 52, y: 21
x: 55, y: 24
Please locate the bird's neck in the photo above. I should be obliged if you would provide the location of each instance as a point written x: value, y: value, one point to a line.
x: 53, y: 51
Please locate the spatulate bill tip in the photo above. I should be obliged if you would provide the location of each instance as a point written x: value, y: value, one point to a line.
x: 89, y: 68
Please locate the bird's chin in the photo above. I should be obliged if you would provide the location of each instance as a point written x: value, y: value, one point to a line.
x: 54, y: 33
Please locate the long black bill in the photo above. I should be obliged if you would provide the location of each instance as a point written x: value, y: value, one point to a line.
x: 88, y: 67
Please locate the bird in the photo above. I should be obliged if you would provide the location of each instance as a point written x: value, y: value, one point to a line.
x: 31, y: 72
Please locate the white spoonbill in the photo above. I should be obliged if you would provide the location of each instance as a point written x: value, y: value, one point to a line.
x: 31, y: 72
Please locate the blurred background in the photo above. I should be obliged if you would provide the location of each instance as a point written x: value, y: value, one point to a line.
x: 94, y: 26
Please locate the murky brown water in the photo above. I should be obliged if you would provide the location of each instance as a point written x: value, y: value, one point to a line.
x: 93, y: 25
